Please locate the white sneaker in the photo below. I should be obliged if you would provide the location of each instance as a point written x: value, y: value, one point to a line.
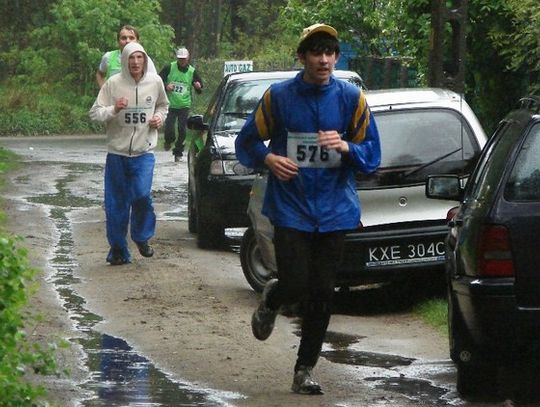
x: 303, y: 383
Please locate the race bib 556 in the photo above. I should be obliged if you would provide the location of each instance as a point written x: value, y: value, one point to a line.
x: 135, y: 116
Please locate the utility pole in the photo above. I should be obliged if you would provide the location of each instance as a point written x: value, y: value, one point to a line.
x: 447, y: 51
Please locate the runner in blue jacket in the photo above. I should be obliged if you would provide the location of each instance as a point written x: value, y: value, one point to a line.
x: 320, y: 132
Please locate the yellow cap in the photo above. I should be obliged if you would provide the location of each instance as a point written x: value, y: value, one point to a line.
x: 315, y: 28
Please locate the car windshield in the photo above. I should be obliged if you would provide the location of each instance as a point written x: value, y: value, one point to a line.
x: 240, y: 100
x: 416, y: 143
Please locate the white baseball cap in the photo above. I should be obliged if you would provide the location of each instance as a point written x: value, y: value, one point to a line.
x: 182, y: 53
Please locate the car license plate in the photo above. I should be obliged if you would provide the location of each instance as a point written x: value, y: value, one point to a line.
x: 412, y: 253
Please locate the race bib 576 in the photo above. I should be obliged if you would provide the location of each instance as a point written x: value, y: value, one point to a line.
x: 303, y: 149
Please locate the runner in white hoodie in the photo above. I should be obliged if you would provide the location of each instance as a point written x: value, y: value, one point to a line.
x: 133, y: 105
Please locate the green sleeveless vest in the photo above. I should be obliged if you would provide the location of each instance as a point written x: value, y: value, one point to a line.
x: 114, y: 65
x: 180, y: 96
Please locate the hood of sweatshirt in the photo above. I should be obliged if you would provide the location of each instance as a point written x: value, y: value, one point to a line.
x: 126, y: 52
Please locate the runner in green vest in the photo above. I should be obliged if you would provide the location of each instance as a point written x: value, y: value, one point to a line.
x: 179, y: 77
x: 110, y: 62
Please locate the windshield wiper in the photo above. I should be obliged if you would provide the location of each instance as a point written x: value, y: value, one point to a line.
x: 241, y: 115
x: 436, y: 160
x: 227, y: 132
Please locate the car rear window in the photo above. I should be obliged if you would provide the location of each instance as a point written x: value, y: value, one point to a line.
x: 524, y: 181
x: 417, y: 143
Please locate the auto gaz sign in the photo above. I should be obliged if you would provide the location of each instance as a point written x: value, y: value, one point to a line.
x: 237, y: 66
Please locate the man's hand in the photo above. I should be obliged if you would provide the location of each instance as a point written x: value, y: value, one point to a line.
x: 155, y: 122
x: 120, y: 104
x: 332, y: 140
x: 282, y: 167
x: 169, y: 87
x: 197, y: 85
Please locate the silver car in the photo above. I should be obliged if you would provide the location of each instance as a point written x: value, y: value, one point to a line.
x: 423, y: 131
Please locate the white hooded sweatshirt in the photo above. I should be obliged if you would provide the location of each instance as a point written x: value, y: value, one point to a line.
x: 128, y: 132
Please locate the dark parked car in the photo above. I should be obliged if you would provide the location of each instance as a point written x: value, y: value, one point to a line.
x: 423, y: 131
x: 492, y: 253
x: 218, y: 185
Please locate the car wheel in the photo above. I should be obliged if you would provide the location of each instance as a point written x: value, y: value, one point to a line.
x: 210, y: 235
x: 253, y: 267
x: 192, y: 213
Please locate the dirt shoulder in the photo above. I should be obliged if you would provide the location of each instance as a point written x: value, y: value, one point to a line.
x: 189, y: 311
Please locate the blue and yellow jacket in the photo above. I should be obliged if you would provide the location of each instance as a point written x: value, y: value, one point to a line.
x: 289, y: 116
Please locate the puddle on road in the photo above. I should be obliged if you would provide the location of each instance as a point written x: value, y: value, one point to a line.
x: 63, y: 197
x: 119, y: 376
x: 421, y: 390
x: 371, y: 359
x: 415, y: 389
x: 122, y: 377
x: 339, y: 340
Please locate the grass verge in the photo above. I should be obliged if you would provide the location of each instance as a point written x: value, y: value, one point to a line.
x: 435, y: 313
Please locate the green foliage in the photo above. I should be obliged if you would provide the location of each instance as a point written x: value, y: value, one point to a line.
x: 372, y: 26
x: 211, y: 72
x: 52, y: 85
x: 17, y: 354
x: 255, y: 29
x: 18, y: 18
x: 49, y: 109
x: 7, y: 161
x: 69, y: 49
x: 520, y: 46
x: 379, y: 28
x: 61, y: 43
x: 503, y: 42
x: 492, y: 87
x: 435, y: 313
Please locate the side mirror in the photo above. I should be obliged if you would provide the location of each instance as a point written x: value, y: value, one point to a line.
x: 446, y: 187
x: 195, y: 122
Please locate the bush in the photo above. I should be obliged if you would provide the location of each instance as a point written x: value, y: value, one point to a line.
x: 18, y: 356
x: 51, y: 109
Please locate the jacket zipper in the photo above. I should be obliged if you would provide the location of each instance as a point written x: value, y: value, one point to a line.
x: 134, y: 127
x: 317, y: 102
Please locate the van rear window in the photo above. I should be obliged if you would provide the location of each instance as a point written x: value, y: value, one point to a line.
x: 419, y: 142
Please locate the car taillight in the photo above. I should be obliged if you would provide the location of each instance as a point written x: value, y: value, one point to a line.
x: 451, y: 213
x: 495, y: 255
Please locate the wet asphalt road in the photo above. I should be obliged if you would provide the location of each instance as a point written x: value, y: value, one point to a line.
x: 430, y: 382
